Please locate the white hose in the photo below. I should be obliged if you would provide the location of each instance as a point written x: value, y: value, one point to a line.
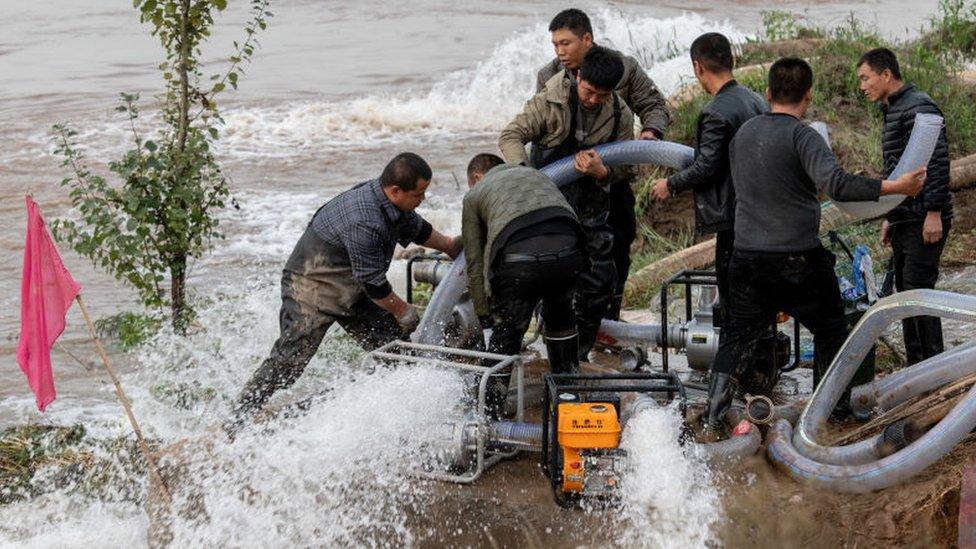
x: 918, y: 152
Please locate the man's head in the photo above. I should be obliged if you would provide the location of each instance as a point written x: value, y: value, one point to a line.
x: 599, y: 74
x: 879, y: 74
x: 791, y: 84
x: 405, y: 180
x: 711, y: 57
x: 480, y: 165
x: 572, y: 36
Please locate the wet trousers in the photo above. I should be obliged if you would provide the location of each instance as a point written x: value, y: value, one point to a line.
x: 917, y: 267
x: 516, y: 290
x: 761, y: 284
x: 623, y: 221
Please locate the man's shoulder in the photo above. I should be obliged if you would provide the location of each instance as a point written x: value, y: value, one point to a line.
x: 549, y: 70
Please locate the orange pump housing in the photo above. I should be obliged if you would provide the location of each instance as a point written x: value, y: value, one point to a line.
x: 584, y: 426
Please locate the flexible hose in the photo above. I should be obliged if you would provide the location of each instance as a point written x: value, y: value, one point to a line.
x: 857, y: 467
x: 875, y: 320
x: 929, y: 374
x: 918, y: 152
x: 450, y: 291
x: 512, y: 434
x: 744, y: 442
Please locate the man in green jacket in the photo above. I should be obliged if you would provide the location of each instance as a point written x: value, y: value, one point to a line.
x: 570, y: 117
x: 521, y: 241
x: 572, y: 36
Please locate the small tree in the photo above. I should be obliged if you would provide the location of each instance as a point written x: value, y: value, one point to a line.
x: 163, y: 211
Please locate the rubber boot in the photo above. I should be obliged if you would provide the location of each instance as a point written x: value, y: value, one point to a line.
x: 563, y: 350
x: 720, y: 390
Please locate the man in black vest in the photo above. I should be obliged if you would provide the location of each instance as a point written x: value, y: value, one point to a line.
x: 917, y: 228
x: 779, y: 166
x: 709, y: 176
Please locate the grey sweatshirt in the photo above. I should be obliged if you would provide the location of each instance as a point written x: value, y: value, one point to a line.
x: 778, y: 166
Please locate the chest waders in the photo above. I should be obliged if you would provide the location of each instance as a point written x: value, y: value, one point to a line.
x: 591, y: 202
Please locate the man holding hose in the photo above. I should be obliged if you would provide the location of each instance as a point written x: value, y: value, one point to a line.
x: 918, y: 227
x: 779, y: 164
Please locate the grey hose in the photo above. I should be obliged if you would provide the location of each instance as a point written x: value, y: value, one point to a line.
x: 744, y: 442
x: 875, y: 320
x: 451, y: 290
x: 918, y: 151
x: 642, y: 334
x: 927, y: 375
x: 856, y: 467
x: 511, y: 434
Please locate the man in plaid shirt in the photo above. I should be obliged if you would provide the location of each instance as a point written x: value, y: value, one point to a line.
x: 337, y: 273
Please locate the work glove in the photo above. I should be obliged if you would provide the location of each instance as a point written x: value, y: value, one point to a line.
x: 409, y: 319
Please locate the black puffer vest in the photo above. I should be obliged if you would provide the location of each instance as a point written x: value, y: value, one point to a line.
x: 899, y: 119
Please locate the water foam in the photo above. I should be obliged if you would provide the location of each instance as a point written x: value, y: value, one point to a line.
x: 669, y: 498
x: 466, y: 104
x: 469, y: 103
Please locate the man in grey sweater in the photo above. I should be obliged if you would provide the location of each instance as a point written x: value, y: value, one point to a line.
x: 779, y: 165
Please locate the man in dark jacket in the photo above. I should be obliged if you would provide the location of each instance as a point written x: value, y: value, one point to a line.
x: 709, y: 176
x: 570, y: 117
x: 572, y: 36
x: 337, y: 273
x: 917, y: 228
x: 522, y: 246
x: 779, y: 164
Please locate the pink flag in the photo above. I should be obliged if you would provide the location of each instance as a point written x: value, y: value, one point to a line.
x: 46, y: 293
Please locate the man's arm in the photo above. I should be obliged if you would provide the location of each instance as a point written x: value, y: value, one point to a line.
x: 452, y: 246
x: 647, y: 102
x: 716, y: 132
x: 528, y: 125
x: 474, y: 238
x: 821, y: 166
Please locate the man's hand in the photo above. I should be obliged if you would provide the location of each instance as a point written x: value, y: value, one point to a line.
x: 648, y: 135
x: 457, y: 245
x: 885, y: 233
x: 909, y: 183
x: 932, y: 228
x: 409, y: 319
x: 589, y: 163
x: 660, y: 190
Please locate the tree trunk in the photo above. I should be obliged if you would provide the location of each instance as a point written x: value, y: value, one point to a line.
x: 177, y: 271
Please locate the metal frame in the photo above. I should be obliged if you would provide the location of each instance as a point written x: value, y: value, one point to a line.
x: 399, y: 351
x: 691, y: 278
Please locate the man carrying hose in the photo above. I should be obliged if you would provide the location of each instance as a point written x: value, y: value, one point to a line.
x: 522, y: 243
x: 569, y: 117
x: 917, y: 228
x: 572, y: 37
x: 709, y: 176
x: 337, y: 273
x: 779, y: 164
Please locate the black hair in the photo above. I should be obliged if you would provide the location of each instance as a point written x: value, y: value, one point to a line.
x: 602, y: 67
x: 880, y: 59
x: 483, y: 162
x: 790, y: 79
x: 572, y: 19
x: 404, y: 171
x: 714, y: 52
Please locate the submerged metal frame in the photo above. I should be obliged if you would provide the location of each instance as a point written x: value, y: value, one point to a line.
x: 420, y: 353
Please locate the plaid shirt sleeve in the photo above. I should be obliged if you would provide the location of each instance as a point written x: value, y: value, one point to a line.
x: 414, y: 228
x: 365, y: 244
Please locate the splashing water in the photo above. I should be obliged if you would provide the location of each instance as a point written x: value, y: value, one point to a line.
x: 669, y: 498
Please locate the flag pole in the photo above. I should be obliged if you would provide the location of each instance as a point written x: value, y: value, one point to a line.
x: 143, y: 448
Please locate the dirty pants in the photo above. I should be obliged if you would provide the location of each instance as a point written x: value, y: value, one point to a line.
x: 917, y: 267
x: 761, y: 284
x: 516, y: 290
x: 623, y: 221
x: 315, y: 293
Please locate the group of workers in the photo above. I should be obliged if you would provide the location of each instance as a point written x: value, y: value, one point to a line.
x: 757, y: 173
